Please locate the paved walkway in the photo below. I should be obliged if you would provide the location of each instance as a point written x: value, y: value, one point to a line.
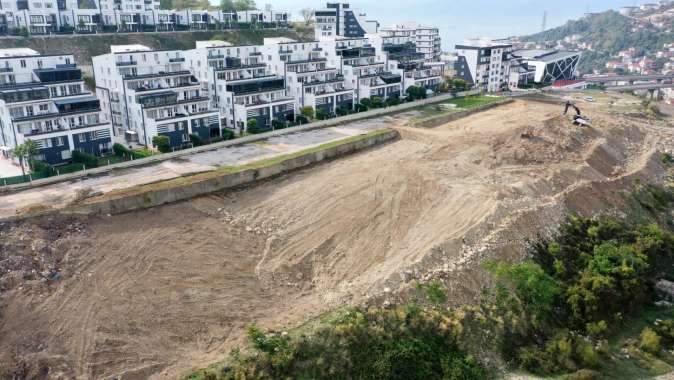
x: 60, y: 194
x: 8, y: 169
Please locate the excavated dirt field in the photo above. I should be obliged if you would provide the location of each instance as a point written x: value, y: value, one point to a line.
x: 158, y: 292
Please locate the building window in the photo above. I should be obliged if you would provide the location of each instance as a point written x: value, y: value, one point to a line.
x: 23, y: 63
x: 81, y: 137
x: 59, y: 141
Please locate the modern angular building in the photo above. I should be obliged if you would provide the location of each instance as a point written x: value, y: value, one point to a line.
x: 549, y: 65
x: 149, y: 92
x: 43, y: 98
x: 340, y: 20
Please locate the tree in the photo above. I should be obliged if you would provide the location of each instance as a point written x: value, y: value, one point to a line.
x: 307, y: 15
x: 163, y: 143
x: 25, y: 152
x: 227, y: 6
x: 245, y: 5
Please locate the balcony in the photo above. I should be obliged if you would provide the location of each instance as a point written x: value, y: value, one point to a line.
x: 181, y: 59
x: 255, y: 86
x: 6, y: 70
x: 126, y: 63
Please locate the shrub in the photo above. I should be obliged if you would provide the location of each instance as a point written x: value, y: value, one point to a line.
x: 42, y: 167
x: 163, y: 143
x: 307, y: 112
x: 376, y: 102
x: 228, y: 134
x: 361, y: 108
x: 416, y: 92
x: 120, y: 150
x: 321, y: 114
x: 89, y: 161
x: 141, y: 153
x: 342, y: 111
x: 301, y: 119
x: 390, y: 102
x: 196, y: 139
x: 649, y: 341
x: 667, y: 159
x: 278, y: 124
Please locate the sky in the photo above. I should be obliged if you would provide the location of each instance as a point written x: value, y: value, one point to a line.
x: 461, y: 19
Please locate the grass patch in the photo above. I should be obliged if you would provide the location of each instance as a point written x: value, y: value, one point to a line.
x: 433, y: 111
x: 186, y: 180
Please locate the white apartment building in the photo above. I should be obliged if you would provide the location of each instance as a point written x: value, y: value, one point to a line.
x: 149, y: 92
x: 425, y: 38
x: 403, y: 58
x: 48, y: 16
x: 312, y: 73
x: 340, y: 20
x: 242, y: 85
x: 43, y: 98
x: 365, y: 69
x: 485, y: 63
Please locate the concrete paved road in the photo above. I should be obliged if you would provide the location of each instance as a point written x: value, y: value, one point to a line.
x: 60, y: 194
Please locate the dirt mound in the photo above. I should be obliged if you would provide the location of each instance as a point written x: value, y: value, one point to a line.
x: 156, y: 292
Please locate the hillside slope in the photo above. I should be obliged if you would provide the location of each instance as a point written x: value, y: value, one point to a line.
x: 607, y: 33
x: 86, y: 46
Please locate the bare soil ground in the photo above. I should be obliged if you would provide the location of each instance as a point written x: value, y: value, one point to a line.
x: 157, y: 292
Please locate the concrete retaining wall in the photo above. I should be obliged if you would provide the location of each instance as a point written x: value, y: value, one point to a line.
x: 243, y: 140
x: 444, y: 119
x: 179, y: 192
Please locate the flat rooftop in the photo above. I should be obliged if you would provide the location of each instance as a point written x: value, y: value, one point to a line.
x: 128, y: 48
x: 212, y: 44
x: 17, y: 52
x: 546, y: 55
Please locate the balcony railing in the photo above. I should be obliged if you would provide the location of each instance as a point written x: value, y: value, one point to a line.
x: 181, y: 59
x: 126, y: 63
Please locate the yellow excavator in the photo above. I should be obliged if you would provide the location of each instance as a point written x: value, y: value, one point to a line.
x: 578, y: 119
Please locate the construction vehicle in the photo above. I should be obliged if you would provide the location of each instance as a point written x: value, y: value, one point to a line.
x: 578, y: 119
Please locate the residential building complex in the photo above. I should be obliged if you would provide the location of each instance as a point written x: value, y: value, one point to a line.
x: 49, y: 16
x: 43, y: 98
x: 219, y: 85
x: 149, y: 92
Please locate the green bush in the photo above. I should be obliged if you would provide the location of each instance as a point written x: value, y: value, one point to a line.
x: 308, y: 112
x: 162, y: 143
x: 42, y: 167
x: 361, y: 344
x: 390, y: 102
x: 89, y: 161
x: 120, y: 150
x: 376, y: 102
x: 342, y: 111
x: 227, y: 134
x: 141, y: 153
x: 321, y: 114
x: 301, y: 120
x: 649, y: 341
x: 416, y: 92
x: 196, y: 140
x: 278, y: 124
x: 667, y: 159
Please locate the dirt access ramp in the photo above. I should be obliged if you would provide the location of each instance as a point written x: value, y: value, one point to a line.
x: 157, y: 292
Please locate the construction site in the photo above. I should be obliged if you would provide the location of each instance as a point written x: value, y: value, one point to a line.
x: 160, y: 291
